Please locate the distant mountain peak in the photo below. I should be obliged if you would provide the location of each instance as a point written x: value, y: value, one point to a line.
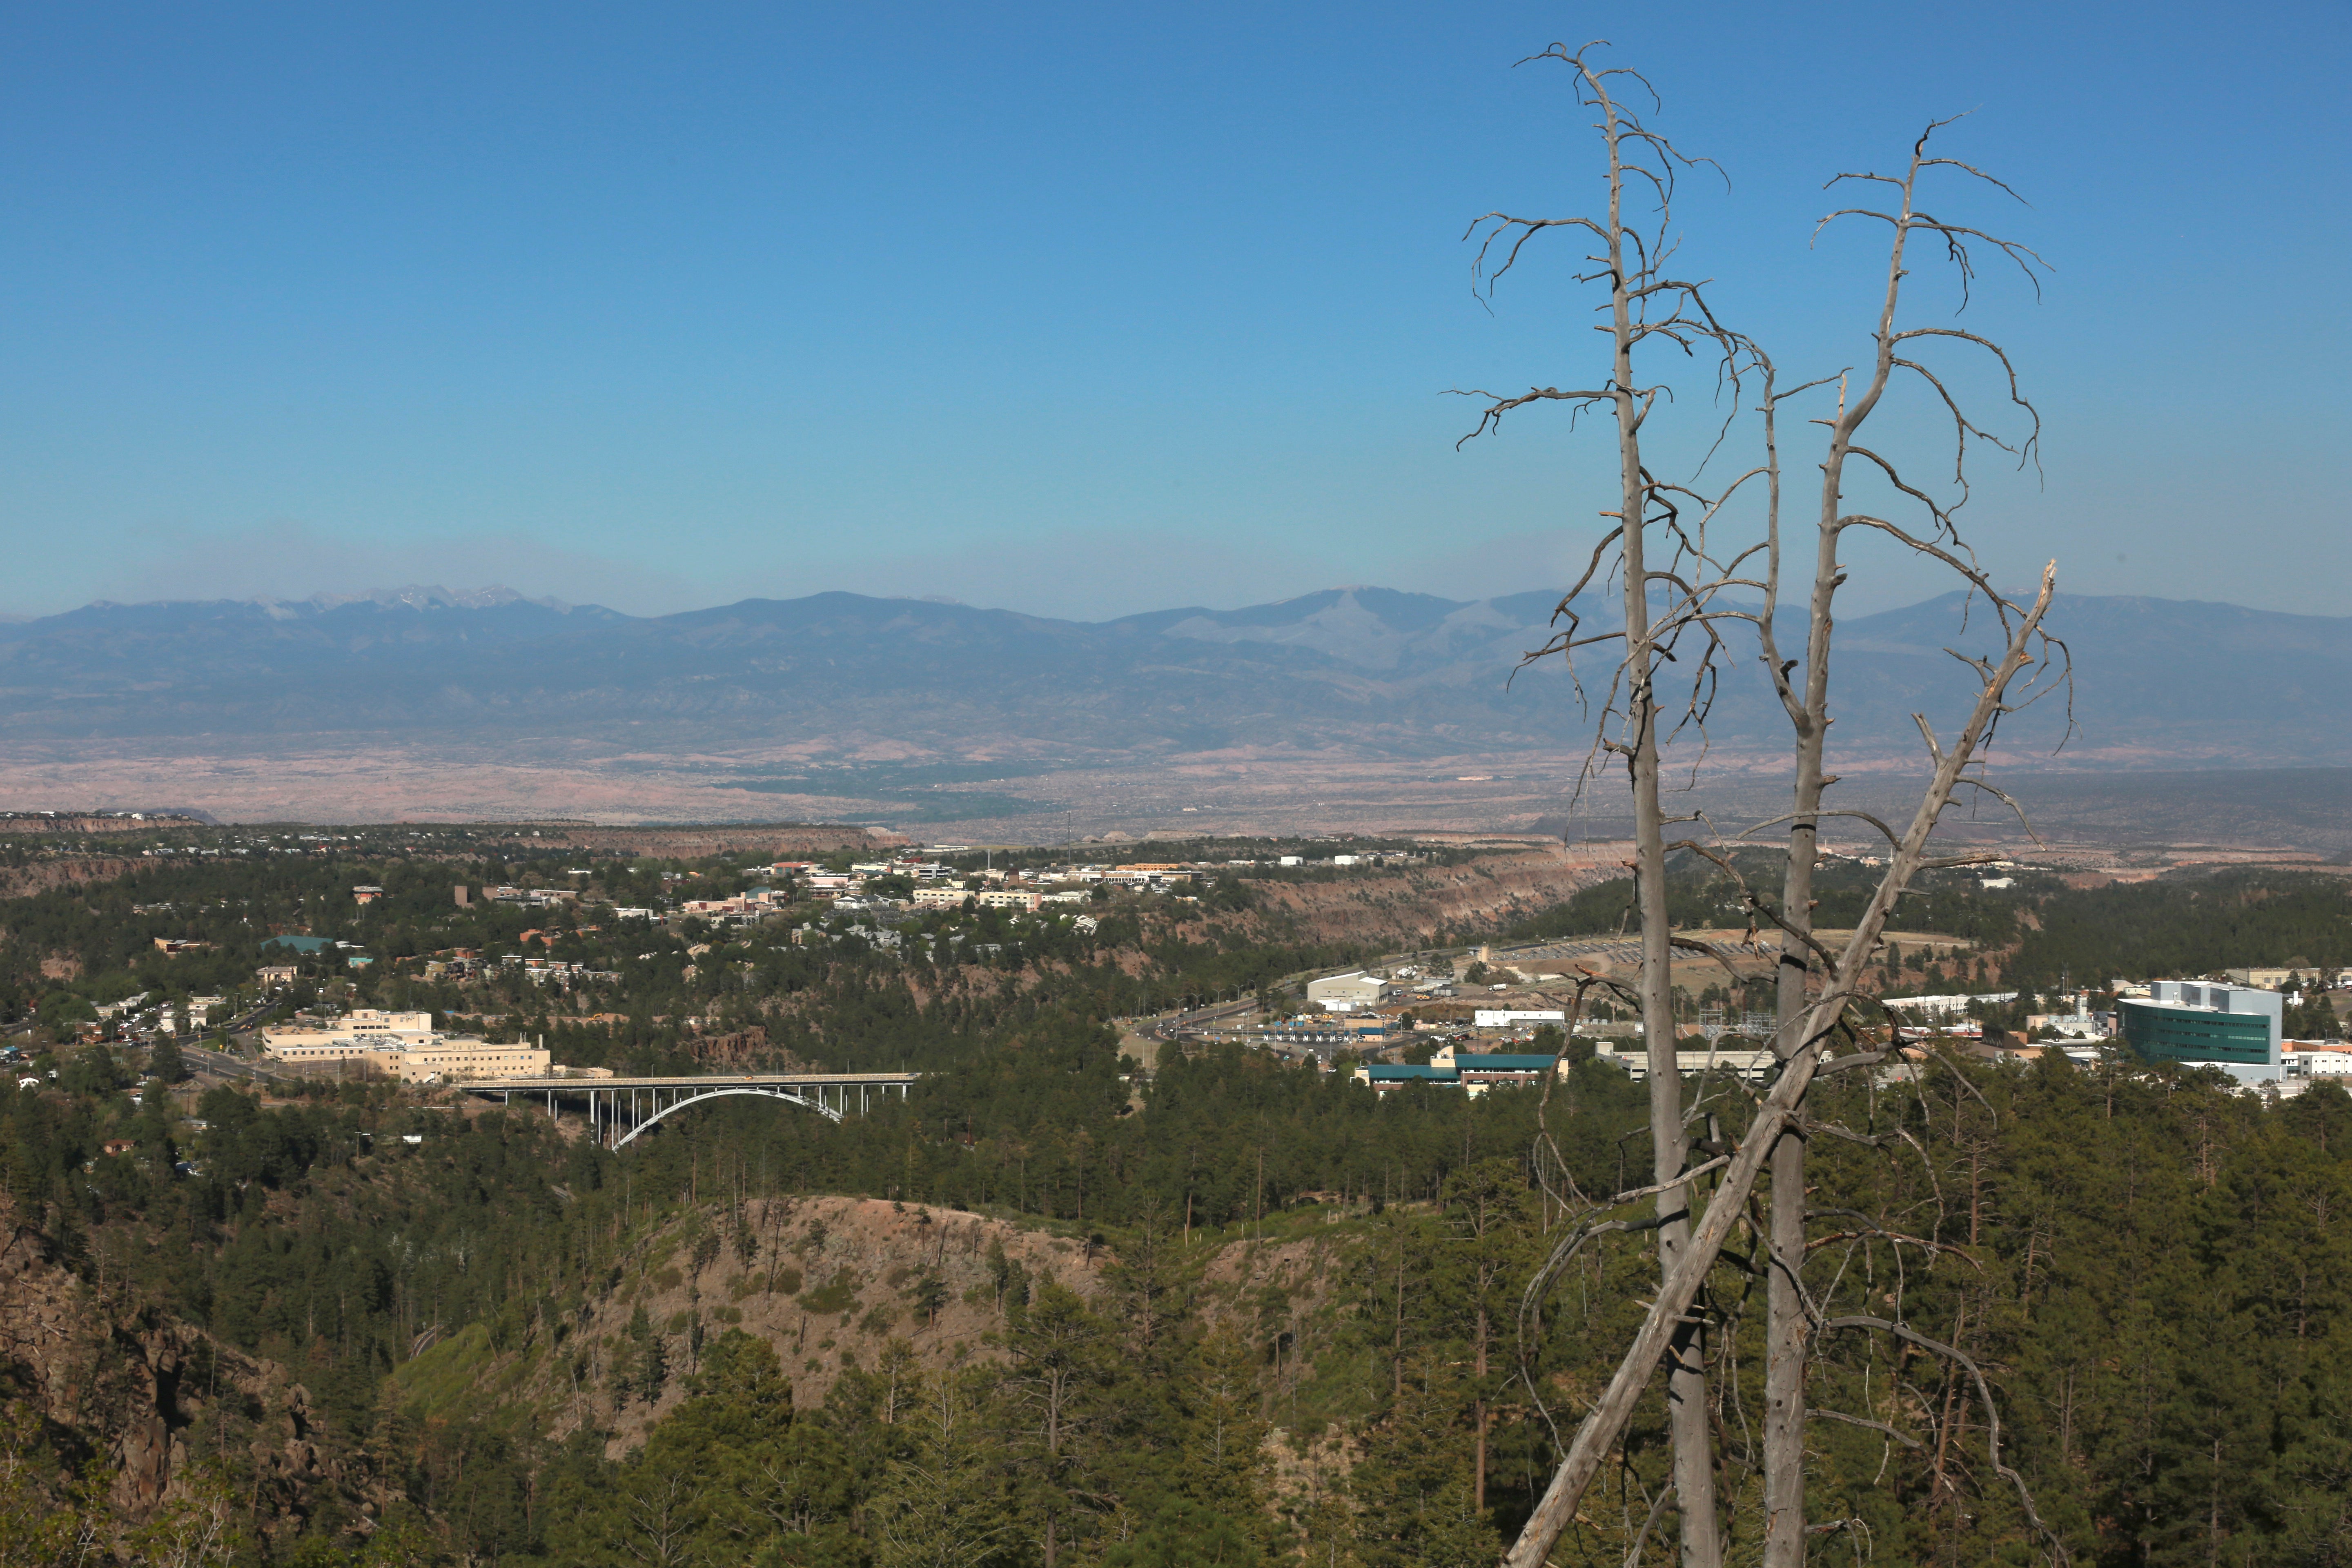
x: 1380, y: 670
x: 421, y: 596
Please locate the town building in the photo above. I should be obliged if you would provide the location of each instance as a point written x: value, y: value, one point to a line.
x: 357, y: 1033
x: 2317, y: 1059
x: 2197, y: 1023
x: 410, y: 1051
x: 1345, y: 993
x: 458, y: 1058
x: 1755, y: 1066
x: 1385, y: 1078
x: 1932, y: 1008
x: 1503, y: 1017
x: 1472, y: 1073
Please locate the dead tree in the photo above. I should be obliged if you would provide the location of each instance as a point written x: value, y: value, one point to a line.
x: 1665, y: 608
x: 1684, y: 601
x: 1802, y: 687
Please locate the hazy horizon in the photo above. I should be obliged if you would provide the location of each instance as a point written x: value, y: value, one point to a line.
x: 1086, y: 311
x: 507, y: 592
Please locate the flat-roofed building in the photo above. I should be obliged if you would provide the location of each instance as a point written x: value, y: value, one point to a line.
x: 1384, y: 1077
x: 359, y: 1033
x: 464, y: 1058
x: 1755, y: 1066
x: 317, y: 1047
x: 1498, y: 1067
x: 1346, y: 993
x: 2201, y: 1024
x: 411, y: 1058
x: 1503, y: 1017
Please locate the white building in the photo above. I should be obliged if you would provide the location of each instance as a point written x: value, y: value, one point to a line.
x: 1753, y: 1066
x: 1503, y: 1017
x: 1346, y: 993
x: 1946, y: 1007
x: 2311, y: 1058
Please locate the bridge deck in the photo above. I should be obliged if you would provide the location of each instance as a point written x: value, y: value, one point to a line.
x: 695, y: 1081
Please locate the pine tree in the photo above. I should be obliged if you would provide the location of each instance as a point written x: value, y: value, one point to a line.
x: 1412, y: 1492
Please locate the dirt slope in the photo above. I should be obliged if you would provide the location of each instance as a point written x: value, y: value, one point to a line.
x: 832, y: 1283
x: 152, y: 1392
x: 1409, y: 907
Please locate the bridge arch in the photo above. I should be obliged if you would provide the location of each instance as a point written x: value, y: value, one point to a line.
x: 827, y: 1112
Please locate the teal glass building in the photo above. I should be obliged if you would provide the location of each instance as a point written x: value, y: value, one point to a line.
x: 2233, y: 1027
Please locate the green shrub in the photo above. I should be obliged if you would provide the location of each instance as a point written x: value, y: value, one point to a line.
x: 840, y: 1296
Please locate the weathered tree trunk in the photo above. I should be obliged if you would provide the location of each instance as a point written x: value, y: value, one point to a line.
x: 1672, y: 607
x: 1787, y: 1335
x: 1687, y: 1412
x: 1787, y: 1332
x: 1601, y: 1430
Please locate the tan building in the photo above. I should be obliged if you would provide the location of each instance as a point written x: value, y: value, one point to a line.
x: 446, y: 1059
x: 364, y: 1032
x: 316, y: 1048
x: 416, y: 1059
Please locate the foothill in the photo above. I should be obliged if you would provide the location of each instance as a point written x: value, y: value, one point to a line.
x: 1232, y: 1083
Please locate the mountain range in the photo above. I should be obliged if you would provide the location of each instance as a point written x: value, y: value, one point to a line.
x: 1363, y: 671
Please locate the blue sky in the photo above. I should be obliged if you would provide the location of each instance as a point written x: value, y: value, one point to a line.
x: 1089, y: 309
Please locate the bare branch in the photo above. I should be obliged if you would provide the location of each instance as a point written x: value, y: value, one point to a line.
x: 1984, y: 1396
x: 1600, y: 1430
x: 1816, y: 1413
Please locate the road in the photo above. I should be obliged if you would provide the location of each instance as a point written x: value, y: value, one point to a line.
x: 207, y: 1059
x: 1199, y: 1017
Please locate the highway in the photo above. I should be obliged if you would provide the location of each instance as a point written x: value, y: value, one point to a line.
x: 204, y: 1058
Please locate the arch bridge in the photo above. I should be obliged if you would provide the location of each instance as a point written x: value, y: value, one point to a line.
x: 619, y: 1108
